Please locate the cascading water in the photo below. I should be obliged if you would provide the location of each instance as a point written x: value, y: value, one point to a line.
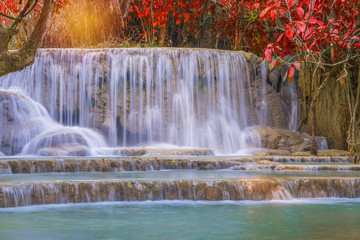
x: 21, y: 120
x: 288, y: 91
x: 189, y: 98
x: 27, y: 128
x: 63, y: 192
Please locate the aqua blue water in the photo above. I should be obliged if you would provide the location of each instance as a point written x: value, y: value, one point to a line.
x: 178, y: 175
x: 298, y: 219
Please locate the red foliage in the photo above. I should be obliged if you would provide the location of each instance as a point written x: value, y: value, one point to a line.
x: 274, y: 28
x: 233, y: 19
x: 311, y: 27
x: 13, y: 9
x: 155, y: 14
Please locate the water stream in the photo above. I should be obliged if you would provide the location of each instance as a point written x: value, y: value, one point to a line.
x: 35, y: 189
x: 184, y: 97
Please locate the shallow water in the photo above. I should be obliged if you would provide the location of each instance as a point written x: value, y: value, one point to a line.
x: 173, y: 175
x: 298, y: 219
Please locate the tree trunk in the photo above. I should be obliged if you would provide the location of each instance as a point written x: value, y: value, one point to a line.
x: 313, y: 108
x: 12, y: 61
x: 313, y: 131
x: 162, y: 36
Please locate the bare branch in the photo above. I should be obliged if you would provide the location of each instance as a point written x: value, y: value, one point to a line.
x: 7, y: 16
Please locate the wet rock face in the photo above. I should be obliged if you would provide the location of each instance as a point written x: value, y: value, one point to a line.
x: 275, y: 78
x: 274, y: 138
x: 268, y: 102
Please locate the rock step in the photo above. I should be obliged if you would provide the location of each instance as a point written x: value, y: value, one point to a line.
x: 311, y: 159
x: 113, y: 164
x: 63, y: 192
x: 320, y: 167
x: 14, y: 166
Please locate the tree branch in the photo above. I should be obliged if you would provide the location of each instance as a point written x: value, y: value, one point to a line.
x: 7, y: 16
x: 41, y: 26
x: 17, y: 60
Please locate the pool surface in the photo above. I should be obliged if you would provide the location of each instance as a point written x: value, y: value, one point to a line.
x: 172, y: 175
x: 297, y: 219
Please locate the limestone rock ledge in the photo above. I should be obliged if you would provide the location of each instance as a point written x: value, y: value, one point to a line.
x: 285, y: 140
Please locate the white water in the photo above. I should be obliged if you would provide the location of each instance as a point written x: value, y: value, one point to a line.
x: 28, y: 129
x: 188, y: 98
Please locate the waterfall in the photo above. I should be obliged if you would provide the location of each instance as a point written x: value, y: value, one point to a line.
x: 140, y: 97
x: 27, y: 128
x: 288, y: 91
x: 59, y: 192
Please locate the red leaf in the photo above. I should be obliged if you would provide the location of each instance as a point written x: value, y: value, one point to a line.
x: 273, y: 14
x: 312, y: 20
x: 289, y: 33
x: 290, y: 3
x: 277, y: 64
x: 268, y: 54
x: 279, y: 38
x: 297, y: 65
x: 263, y: 13
x: 274, y: 63
x: 300, y: 11
x: 291, y: 74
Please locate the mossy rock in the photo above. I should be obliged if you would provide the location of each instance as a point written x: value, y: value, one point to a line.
x: 329, y: 152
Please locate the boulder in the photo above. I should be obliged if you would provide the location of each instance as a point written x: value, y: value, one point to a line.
x: 65, y: 150
x: 65, y: 141
x: 278, y: 139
